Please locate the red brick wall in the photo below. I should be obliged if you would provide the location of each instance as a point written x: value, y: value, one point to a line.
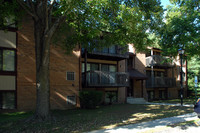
x: 60, y: 63
x: 122, y: 90
x: 140, y: 63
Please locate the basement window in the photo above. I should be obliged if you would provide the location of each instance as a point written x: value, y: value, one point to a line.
x: 71, y: 100
x: 71, y: 76
x: 7, y: 100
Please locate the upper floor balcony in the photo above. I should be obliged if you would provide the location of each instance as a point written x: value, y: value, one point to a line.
x: 157, y: 60
x: 161, y: 82
x: 114, y: 53
x: 105, y: 79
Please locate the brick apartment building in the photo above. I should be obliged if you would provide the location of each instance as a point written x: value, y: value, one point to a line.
x: 155, y: 77
x: 164, y: 76
x: 108, y: 70
x: 18, y: 73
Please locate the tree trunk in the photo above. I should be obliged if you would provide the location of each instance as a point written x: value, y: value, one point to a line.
x: 41, y: 12
x: 42, y: 50
x: 43, y: 91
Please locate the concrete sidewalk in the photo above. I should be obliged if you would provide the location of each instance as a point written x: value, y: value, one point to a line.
x: 151, y: 125
x: 185, y: 105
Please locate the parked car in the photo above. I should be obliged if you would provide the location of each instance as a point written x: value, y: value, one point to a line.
x: 197, y: 107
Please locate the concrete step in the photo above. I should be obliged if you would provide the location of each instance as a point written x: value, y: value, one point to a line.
x: 132, y: 100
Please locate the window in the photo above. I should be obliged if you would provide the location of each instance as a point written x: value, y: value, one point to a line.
x: 112, y: 49
x: 99, y: 73
x: 112, y: 75
x: 83, y: 67
x: 109, y: 73
x: 105, y: 50
x: 130, y: 62
x: 110, y: 97
x: 156, y: 53
x: 70, y: 75
x: 104, y: 67
x: 7, y: 60
x: 71, y: 100
x: 10, y: 21
x: 162, y: 94
x: 149, y: 73
x: 148, y: 53
x: 94, y: 67
x: 92, y: 76
x: 109, y: 50
x: 150, y: 95
x: 7, y: 100
x: 105, y: 76
x: 159, y: 74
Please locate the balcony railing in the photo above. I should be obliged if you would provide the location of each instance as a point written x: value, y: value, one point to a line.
x: 160, y: 82
x: 157, y: 60
x: 105, y: 79
x: 111, y: 53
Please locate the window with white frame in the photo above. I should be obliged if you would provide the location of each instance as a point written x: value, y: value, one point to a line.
x: 7, y: 60
x: 71, y: 76
x: 71, y: 100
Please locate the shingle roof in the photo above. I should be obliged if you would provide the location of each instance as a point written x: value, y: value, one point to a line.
x: 135, y: 74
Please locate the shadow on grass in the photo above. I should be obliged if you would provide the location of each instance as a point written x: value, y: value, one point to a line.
x: 177, y: 101
x: 80, y: 120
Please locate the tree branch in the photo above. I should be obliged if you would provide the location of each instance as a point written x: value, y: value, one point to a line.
x: 26, y: 8
x: 31, y: 5
x: 55, y: 26
x: 51, y: 6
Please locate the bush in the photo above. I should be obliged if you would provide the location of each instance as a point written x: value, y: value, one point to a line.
x: 90, y: 99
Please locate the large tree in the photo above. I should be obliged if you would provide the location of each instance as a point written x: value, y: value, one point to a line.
x: 90, y: 21
x: 193, y: 70
x: 182, y: 28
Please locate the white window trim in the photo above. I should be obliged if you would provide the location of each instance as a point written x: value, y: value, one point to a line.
x: 69, y: 101
x: 67, y: 76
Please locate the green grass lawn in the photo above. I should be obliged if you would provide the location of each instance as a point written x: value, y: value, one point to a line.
x: 176, y: 101
x: 80, y: 120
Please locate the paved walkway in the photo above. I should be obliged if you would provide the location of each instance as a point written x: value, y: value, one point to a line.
x: 185, y: 105
x: 151, y: 126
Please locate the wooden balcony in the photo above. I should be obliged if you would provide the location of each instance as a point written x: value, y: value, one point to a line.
x: 157, y: 60
x: 105, y: 79
x: 112, y: 53
x: 160, y: 82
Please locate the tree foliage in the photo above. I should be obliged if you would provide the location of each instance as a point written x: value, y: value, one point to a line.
x: 102, y: 23
x: 182, y: 28
x: 91, y: 23
x: 10, y: 13
x: 193, y: 70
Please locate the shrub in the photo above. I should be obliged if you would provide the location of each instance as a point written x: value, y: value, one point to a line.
x: 90, y: 99
x: 110, y: 95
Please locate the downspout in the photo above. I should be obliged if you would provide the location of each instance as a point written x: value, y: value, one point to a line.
x: 85, y: 59
x: 80, y: 69
x: 152, y: 73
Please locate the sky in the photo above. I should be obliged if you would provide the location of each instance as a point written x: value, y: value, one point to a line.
x: 164, y: 3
